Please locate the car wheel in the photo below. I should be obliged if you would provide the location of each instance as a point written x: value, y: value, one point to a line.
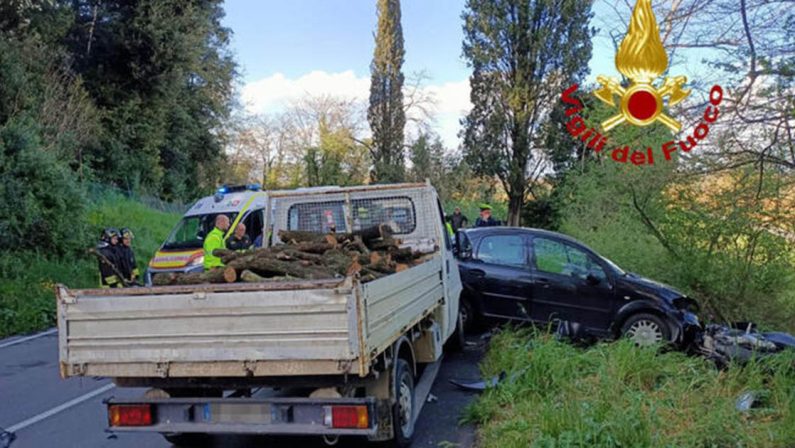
x: 457, y: 340
x: 467, y: 313
x: 646, y: 330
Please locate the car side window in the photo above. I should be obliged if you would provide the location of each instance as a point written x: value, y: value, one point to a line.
x: 504, y: 250
x: 556, y: 257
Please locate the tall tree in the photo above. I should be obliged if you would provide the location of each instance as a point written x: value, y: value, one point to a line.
x: 523, y: 54
x: 161, y: 72
x: 386, y: 114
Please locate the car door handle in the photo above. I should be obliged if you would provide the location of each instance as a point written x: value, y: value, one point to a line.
x: 477, y: 273
x: 544, y: 282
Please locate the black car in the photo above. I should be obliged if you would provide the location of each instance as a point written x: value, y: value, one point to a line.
x: 545, y: 277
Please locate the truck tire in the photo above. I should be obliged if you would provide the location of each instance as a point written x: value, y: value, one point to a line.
x: 403, y: 410
x: 189, y: 440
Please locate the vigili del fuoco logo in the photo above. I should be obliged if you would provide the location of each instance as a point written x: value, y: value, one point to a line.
x: 641, y: 58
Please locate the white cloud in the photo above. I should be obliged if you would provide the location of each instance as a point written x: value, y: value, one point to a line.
x: 274, y: 93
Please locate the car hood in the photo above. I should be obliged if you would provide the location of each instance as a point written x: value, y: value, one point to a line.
x: 650, y: 289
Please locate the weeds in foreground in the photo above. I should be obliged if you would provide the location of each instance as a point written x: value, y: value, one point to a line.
x: 617, y: 395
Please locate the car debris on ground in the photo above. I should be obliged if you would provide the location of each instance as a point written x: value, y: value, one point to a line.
x: 722, y: 344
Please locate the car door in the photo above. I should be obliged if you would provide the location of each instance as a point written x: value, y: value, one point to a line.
x: 499, y: 273
x: 570, y: 284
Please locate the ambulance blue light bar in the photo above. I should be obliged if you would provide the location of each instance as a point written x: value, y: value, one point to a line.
x: 224, y: 189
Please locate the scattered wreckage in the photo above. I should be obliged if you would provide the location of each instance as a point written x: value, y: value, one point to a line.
x: 723, y: 344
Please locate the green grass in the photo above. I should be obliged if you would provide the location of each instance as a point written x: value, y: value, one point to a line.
x: 27, y: 279
x: 616, y: 395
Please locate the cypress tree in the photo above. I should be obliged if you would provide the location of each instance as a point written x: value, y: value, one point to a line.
x: 385, y: 114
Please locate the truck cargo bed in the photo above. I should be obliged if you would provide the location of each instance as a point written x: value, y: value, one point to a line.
x: 276, y: 328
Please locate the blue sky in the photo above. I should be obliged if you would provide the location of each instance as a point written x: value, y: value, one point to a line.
x: 289, y: 48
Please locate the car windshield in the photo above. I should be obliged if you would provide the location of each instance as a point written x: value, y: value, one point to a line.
x: 190, y: 231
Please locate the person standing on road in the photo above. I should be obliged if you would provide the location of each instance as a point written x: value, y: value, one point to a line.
x: 108, y: 252
x: 215, y: 240
x: 458, y: 220
x: 127, y: 264
x: 485, y: 219
x: 239, y: 241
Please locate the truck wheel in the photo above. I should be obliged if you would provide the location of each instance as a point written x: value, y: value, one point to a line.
x: 646, y: 330
x: 403, y: 410
x: 189, y: 440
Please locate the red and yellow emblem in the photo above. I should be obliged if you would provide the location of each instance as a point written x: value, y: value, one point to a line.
x: 642, y: 58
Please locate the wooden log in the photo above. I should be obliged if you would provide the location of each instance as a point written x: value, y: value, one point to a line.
x: 230, y: 275
x: 339, y: 261
x: 331, y: 240
x: 375, y: 257
x: 313, y: 248
x: 354, y: 268
x: 400, y: 267
x: 384, y: 244
x: 191, y: 278
x: 271, y: 267
x: 383, y: 266
x: 403, y: 254
x: 300, y: 236
x: 250, y: 277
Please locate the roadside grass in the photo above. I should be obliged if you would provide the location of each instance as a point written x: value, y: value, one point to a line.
x: 617, y: 395
x: 27, y: 279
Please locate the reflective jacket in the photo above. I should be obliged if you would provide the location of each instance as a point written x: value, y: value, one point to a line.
x: 213, y: 240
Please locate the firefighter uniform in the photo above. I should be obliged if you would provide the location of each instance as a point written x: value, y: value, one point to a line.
x: 109, y: 260
x: 127, y: 265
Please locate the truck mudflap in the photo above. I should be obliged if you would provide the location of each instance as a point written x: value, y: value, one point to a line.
x: 273, y: 416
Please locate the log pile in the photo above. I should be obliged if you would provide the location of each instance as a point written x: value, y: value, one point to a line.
x: 371, y: 253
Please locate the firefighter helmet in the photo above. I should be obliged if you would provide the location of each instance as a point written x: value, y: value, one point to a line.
x: 108, y: 233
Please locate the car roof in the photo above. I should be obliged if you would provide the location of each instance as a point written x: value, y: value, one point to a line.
x: 480, y: 232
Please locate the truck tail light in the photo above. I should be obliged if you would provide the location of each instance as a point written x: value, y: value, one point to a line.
x: 130, y: 415
x: 355, y: 417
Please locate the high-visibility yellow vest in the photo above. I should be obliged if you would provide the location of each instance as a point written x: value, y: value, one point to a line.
x: 214, y: 240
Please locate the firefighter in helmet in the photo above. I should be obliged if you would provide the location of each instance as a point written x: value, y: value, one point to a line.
x: 127, y: 266
x: 108, y: 250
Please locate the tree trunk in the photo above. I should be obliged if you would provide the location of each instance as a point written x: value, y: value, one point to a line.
x: 515, y: 201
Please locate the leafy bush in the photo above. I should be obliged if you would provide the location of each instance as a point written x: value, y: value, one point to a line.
x: 617, y: 395
x: 42, y: 207
x: 714, y: 247
x: 27, y: 277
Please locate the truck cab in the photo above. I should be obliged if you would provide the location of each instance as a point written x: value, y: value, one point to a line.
x: 182, y: 251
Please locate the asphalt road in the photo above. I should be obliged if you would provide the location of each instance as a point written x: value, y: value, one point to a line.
x: 44, y: 410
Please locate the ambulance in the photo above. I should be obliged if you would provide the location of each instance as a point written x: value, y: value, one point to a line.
x: 182, y: 251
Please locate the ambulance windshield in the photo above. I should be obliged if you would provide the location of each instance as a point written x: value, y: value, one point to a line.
x: 190, y: 231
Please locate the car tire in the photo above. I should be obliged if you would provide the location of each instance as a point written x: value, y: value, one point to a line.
x: 468, y: 315
x: 404, y: 408
x: 646, y: 329
x: 457, y: 340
